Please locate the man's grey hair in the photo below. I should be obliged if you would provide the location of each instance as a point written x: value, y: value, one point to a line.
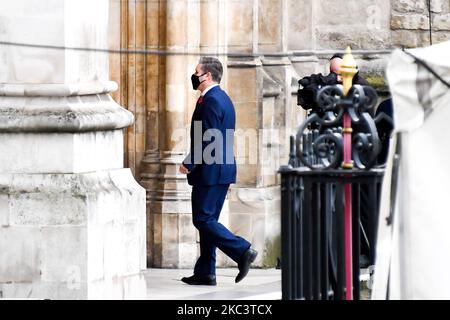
x: 213, y: 65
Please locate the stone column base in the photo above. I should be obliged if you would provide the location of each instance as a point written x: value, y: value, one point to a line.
x: 72, y: 236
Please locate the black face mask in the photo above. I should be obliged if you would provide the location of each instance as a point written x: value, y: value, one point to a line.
x: 196, y: 80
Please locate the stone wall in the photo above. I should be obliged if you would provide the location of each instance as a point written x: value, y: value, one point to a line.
x: 265, y: 46
x: 410, y: 22
x: 360, y: 24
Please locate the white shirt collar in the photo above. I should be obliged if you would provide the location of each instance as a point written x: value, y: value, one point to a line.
x: 209, y: 88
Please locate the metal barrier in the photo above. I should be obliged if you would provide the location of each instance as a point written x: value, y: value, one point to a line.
x: 312, y: 229
x: 329, y: 187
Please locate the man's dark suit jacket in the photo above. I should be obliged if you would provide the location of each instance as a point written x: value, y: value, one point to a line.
x: 215, y: 111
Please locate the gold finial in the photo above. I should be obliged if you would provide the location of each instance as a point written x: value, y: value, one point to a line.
x: 348, y: 70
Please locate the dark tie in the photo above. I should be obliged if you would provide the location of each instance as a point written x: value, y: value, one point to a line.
x: 200, y: 100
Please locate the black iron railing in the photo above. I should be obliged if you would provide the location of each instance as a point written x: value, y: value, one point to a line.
x: 316, y: 191
x: 313, y: 232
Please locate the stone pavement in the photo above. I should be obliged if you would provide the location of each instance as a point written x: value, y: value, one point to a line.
x: 260, y: 284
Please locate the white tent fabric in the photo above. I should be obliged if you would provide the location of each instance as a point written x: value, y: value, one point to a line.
x: 413, y: 253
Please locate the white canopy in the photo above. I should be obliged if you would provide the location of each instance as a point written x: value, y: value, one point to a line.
x: 413, y: 253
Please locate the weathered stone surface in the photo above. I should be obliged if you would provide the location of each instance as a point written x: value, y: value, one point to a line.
x: 50, y: 290
x: 257, y: 236
x: 101, y: 237
x: 410, y: 38
x: 186, y: 229
x: 59, y: 262
x: 359, y: 24
x: 300, y: 24
x: 55, y: 23
x: 410, y: 22
x: 241, y: 18
x: 241, y: 224
x: 269, y: 26
x: 439, y: 37
x: 437, y: 6
x: 4, y: 210
x: 62, y: 114
x: 60, y: 152
x: 188, y: 255
x: 20, y: 253
x: 409, y: 5
x: 170, y: 257
x: 442, y: 22
x: 272, y: 240
x: 247, y: 174
x: 130, y: 287
x: 254, y: 213
x: 247, y: 91
x: 335, y: 38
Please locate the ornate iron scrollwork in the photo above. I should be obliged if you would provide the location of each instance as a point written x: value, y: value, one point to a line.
x: 319, y: 141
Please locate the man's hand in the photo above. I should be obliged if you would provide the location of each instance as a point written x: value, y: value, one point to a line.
x: 183, y: 169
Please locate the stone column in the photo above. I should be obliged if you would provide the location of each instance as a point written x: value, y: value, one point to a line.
x: 169, y: 209
x: 72, y: 219
x: 193, y: 27
x: 154, y: 127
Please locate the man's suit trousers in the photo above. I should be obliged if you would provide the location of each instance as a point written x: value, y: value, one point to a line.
x: 207, y: 202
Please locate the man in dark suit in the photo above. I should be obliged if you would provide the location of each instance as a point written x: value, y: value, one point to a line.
x: 211, y: 168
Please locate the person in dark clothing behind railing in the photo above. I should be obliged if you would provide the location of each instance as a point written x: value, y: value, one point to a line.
x: 335, y: 65
x: 385, y: 126
x: 310, y: 85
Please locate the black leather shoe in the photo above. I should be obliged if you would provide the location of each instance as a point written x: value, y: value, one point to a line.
x: 244, y: 265
x: 200, y: 280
